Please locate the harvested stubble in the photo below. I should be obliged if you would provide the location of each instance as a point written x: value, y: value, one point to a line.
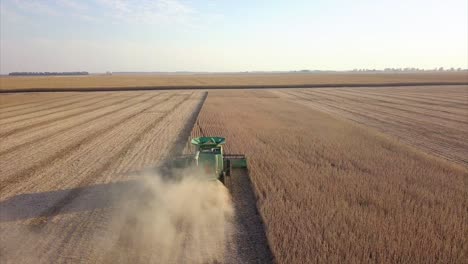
x: 70, y: 162
x: 330, y: 191
x: 135, y: 81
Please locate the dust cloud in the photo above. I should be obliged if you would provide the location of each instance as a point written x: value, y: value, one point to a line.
x: 146, y: 218
x: 188, y: 220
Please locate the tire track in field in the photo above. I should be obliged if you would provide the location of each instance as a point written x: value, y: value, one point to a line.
x: 31, y: 101
x: 450, y: 97
x: 26, y: 172
x: 361, y: 118
x: 447, y: 94
x: 38, y: 103
x: 403, y: 103
x: 442, y: 95
x: 22, y: 128
x: 66, y: 129
x: 386, y: 117
x: 60, y: 118
x: 398, y: 129
x: 73, y: 107
x: 439, y: 98
x: 375, y: 109
x: 385, y: 104
x: 45, y: 108
x: 41, y: 221
x: 416, y: 100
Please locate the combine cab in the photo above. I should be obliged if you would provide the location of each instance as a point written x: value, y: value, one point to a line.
x: 211, y: 160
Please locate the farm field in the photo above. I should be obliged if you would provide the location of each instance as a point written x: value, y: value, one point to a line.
x: 200, y: 81
x: 76, y: 180
x: 433, y: 118
x: 324, y: 184
x: 330, y: 191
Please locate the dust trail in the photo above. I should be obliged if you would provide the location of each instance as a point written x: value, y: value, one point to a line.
x: 167, y: 221
x: 146, y: 219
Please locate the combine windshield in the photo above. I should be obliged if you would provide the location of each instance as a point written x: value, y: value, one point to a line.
x: 211, y: 150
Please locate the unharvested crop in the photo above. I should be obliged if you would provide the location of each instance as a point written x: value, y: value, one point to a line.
x: 434, y: 118
x: 331, y: 191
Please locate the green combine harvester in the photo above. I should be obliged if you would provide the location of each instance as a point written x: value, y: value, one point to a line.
x: 211, y: 160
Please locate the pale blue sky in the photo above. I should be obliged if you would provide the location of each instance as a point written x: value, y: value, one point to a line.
x: 210, y: 35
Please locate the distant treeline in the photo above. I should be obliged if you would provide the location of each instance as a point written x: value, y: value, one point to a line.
x: 46, y: 73
x: 440, y: 69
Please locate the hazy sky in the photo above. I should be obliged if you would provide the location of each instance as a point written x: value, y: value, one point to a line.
x: 241, y: 35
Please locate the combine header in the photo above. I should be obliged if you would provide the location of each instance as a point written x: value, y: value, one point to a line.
x: 211, y: 160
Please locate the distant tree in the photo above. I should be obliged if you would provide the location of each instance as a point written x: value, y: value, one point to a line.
x: 46, y: 73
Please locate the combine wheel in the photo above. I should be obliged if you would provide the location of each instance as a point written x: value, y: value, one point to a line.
x: 226, y: 180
